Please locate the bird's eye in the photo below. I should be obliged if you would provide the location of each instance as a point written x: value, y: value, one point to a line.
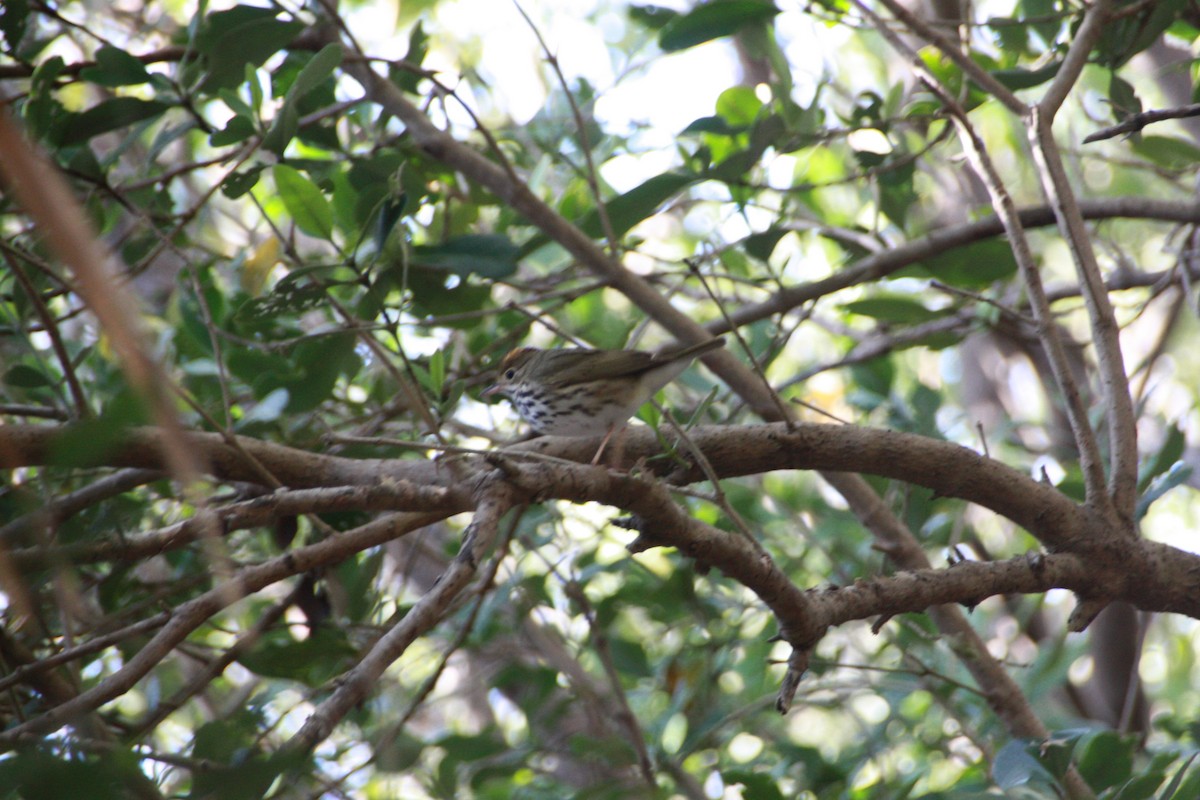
x: 509, y: 374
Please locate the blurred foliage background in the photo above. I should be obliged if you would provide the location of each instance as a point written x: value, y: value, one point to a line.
x: 311, y: 274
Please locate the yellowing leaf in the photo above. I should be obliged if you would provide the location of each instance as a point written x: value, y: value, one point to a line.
x: 258, y: 266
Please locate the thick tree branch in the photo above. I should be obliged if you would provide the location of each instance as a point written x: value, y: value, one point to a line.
x: 948, y: 469
x: 28, y: 445
x: 1003, y: 695
x: 1106, y: 334
x: 965, y: 583
x: 444, y: 147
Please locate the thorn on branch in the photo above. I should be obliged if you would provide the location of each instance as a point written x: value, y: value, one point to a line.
x: 1088, y: 609
x: 632, y: 522
x: 797, y: 666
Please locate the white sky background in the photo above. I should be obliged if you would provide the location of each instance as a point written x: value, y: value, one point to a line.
x: 660, y: 95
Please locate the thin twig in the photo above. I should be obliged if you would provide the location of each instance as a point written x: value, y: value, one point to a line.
x: 1135, y: 122
x: 590, y: 174
x: 1078, y: 55
x: 1091, y: 463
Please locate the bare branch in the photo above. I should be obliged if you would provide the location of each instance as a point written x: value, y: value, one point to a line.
x: 1122, y: 424
x: 389, y: 496
x: 1085, y: 38
x: 1085, y: 439
x: 949, y: 48
x: 894, y: 258
x: 423, y: 616
x: 194, y: 613
x: 1135, y: 122
x: 28, y: 445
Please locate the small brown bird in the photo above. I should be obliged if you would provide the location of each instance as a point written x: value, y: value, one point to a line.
x: 576, y: 392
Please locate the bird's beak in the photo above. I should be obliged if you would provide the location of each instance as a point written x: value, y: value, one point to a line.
x: 491, y: 390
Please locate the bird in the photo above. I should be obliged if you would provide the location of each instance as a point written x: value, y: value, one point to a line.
x: 581, y: 392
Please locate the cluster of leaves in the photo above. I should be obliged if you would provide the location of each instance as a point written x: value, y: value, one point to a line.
x: 317, y: 278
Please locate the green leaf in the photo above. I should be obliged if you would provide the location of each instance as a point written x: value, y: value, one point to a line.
x: 407, y: 78
x: 1055, y: 753
x: 312, y: 74
x: 1168, y: 152
x: 973, y: 266
x: 739, y: 106
x: 715, y: 124
x: 111, y: 115
x: 89, y: 442
x: 1047, y: 24
x: 489, y: 255
x: 637, y: 204
x: 312, y: 661
x: 1106, y: 759
x: 268, y: 409
x: 1017, y: 78
x: 224, y: 739
x: 713, y: 20
x: 36, y: 773
x: 757, y: 785
x: 892, y: 308
x: 432, y: 297
x: 283, y: 129
x: 42, y: 112
x: 238, y: 183
x: 320, y: 362
x: 14, y: 14
x: 242, y: 35
x: 115, y: 67
x: 437, y: 371
x: 1184, y: 785
x: 897, y: 193
x: 606, y: 327
x: 1177, y: 475
x: 1125, y: 37
x: 1123, y: 97
x: 24, y: 376
x: 876, y: 376
x: 652, y: 17
x: 238, y: 129
x: 1164, y: 458
x: 1014, y: 767
x: 630, y: 659
x: 1140, y: 787
x: 318, y: 68
x: 762, y: 245
x: 462, y: 747
x: 235, y: 102
x: 390, y: 212
x: 248, y: 779
x: 304, y: 201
